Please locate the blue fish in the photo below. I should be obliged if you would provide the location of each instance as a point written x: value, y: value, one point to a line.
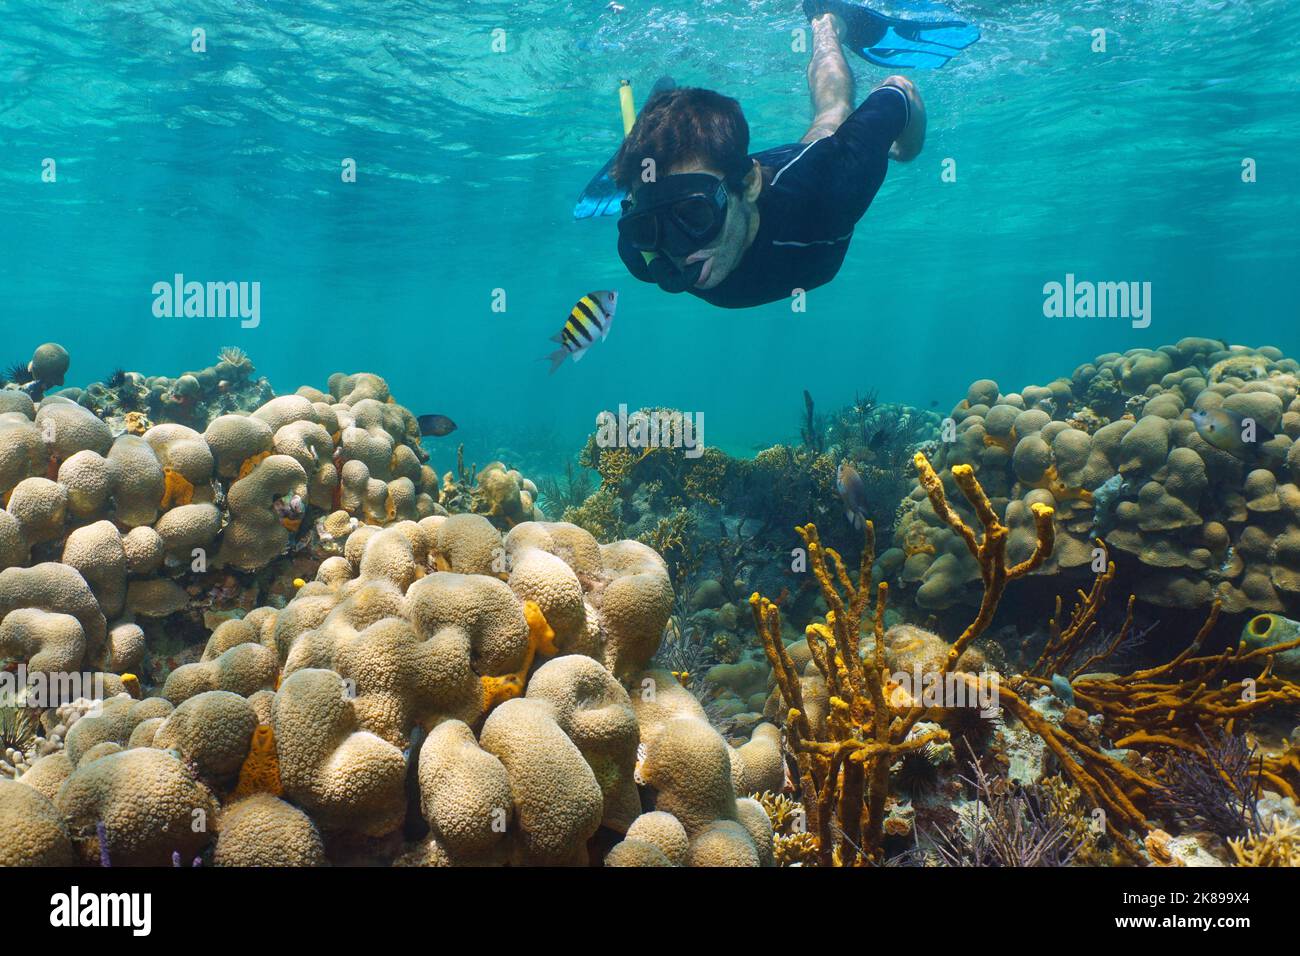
x: 1062, y: 689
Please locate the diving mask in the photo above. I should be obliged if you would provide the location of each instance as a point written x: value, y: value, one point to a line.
x: 677, y: 215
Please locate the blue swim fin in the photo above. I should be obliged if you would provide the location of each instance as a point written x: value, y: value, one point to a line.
x: 929, y: 41
x: 602, y: 197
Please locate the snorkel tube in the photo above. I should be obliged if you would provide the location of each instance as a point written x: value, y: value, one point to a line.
x: 626, y: 105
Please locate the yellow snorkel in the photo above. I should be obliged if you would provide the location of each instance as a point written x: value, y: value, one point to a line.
x: 626, y: 105
x: 602, y: 195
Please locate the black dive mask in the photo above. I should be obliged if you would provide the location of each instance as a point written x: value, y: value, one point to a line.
x: 676, y: 215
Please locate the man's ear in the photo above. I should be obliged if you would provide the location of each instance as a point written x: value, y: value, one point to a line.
x: 753, y: 182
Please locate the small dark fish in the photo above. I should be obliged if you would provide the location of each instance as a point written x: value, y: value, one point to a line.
x: 435, y: 425
x: 934, y: 403
x: 853, y: 493
x: 878, y: 439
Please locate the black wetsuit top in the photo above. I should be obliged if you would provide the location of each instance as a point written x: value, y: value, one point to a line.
x: 813, y: 195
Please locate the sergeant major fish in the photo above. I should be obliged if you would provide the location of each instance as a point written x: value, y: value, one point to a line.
x: 589, y: 318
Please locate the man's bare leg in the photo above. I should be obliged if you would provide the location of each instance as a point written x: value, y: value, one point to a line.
x: 829, y: 79
x: 831, y: 83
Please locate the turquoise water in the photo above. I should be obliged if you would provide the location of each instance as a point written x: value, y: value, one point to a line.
x: 225, y: 165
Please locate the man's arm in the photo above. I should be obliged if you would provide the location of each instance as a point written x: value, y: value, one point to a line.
x: 851, y: 163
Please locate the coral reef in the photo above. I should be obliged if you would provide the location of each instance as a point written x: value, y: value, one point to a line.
x: 260, y: 630
x: 1277, y: 846
x: 1008, y: 826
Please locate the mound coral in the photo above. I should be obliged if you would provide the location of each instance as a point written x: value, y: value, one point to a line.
x: 32, y: 832
x: 139, y: 806
x: 1124, y: 450
x: 261, y: 830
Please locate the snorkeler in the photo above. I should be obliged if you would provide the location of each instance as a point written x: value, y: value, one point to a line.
x: 737, y: 230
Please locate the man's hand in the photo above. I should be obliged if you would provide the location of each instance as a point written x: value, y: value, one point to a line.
x: 908, y: 145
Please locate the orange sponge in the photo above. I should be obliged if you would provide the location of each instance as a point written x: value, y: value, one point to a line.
x: 177, y: 489
x: 261, y: 770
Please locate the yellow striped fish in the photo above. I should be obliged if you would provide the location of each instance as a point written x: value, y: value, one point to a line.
x: 588, y: 320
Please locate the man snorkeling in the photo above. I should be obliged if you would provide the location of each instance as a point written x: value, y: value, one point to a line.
x: 704, y: 216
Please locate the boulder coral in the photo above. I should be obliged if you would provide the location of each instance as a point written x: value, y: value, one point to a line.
x: 150, y: 806
x: 556, y: 797
x: 257, y: 533
x: 594, y: 711
x: 263, y: 830
x: 115, y: 721
x: 342, y: 775
x: 243, y: 669
x: 55, y: 589
x: 1190, y: 514
x: 464, y: 795
x: 210, y: 732
x: 32, y: 833
x: 248, y: 478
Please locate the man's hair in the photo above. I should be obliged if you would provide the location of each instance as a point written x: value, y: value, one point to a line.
x: 684, y: 125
